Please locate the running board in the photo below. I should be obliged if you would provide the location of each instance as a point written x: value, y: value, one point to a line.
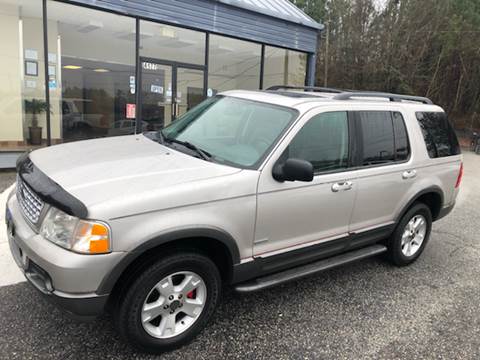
x: 309, y: 269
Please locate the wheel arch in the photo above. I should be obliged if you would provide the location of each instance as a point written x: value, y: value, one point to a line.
x: 432, y: 196
x: 215, y: 243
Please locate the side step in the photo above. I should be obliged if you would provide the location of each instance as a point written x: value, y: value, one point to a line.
x: 309, y: 269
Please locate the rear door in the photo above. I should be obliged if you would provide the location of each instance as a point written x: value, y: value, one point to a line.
x: 384, y: 173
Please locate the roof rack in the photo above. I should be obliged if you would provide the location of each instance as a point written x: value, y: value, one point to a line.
x: 347, y: 95
x: 391, y: 97
x: 307, y: 88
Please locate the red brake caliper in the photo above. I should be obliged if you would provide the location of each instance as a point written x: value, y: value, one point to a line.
x: 192, y: 294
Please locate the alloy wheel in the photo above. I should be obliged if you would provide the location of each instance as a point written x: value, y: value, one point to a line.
x: 414, y: 235
x: 174, y: 304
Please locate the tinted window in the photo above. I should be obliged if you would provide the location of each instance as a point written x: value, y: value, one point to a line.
x: 402, y: 150
x: 439, y: 135
x: 376, y: 128
x: 323, y: 141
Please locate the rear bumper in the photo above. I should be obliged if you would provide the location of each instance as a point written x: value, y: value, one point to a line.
x: 445, y: 211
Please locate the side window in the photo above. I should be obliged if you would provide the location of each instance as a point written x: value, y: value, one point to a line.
x: 438, y: 134
x: 402, y: 147
x: 323, y: 141
x: 376, y: 128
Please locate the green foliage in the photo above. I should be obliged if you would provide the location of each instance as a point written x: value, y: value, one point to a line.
x: 35, y: 107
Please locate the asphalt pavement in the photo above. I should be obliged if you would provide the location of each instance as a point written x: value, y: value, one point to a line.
x: 367, y: 310
x: 7, y: 177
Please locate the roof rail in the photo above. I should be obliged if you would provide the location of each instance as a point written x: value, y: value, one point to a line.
x: 391, y: 97
x: 307, y: 88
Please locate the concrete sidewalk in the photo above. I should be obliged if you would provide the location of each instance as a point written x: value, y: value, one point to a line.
x: 10, y: 272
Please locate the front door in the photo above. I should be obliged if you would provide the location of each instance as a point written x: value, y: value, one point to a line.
x: 301, y: 215
x: 168, y: 90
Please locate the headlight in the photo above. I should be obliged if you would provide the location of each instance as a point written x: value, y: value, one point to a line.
x: 82, y: 236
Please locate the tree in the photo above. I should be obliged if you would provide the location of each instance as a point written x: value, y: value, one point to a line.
x: 427, y: 47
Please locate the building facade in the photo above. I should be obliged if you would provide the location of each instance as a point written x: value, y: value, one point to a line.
x: 82, y: 69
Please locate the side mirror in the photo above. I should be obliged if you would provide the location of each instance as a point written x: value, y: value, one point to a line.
x: 293, y: 170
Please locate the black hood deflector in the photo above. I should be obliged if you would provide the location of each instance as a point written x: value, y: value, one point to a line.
x: 48, y: 190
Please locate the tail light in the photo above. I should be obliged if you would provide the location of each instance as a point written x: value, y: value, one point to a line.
x: 460, y: 175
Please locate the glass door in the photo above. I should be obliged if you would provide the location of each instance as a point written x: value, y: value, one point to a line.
x: 190, y: 90
x: 168, y: 90
x: 156, y: 95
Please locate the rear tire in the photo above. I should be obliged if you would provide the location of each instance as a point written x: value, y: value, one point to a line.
x: 152, y: 316
x: 410, y: 236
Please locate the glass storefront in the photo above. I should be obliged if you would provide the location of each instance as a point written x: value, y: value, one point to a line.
x: 22, y: 76
x: 169, y: 43
x: 172, y: 72
x: 284, y: 67
x: 167, y: 91
x: 233, y: 64
x: 92, y: 72
x: 189, y: 89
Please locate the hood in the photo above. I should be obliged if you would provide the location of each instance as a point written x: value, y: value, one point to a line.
x: 96, y: 171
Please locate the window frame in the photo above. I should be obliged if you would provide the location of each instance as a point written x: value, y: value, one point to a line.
x: 358, y: 156
x: 351, y: 143
x: 395, y: 137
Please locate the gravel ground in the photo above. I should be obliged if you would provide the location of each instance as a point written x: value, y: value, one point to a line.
x: 429, y: 310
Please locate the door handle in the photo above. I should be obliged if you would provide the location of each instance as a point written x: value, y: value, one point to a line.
x: 409, y: 174
x: 342, y: 186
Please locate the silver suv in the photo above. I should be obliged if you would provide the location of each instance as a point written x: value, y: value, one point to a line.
x: 249, y: 189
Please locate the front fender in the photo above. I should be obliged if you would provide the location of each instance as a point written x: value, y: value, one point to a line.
x: 218, y: 235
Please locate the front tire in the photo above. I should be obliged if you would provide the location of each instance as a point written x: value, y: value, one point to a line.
x: 411, y: 235
x: 169, y: 303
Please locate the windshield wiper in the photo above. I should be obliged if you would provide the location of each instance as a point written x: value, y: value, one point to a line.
x: 205, y: 155
x: 160, y: 137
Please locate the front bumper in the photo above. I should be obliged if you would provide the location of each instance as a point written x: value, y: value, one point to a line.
x: 67, y: 279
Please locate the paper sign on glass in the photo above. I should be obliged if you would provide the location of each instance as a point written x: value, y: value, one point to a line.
x: 130, y: 112
x: 31, y: 54
x: 31, y: 68
x: 156, y: 89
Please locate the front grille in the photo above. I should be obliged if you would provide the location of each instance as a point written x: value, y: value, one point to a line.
x: 30, y: 203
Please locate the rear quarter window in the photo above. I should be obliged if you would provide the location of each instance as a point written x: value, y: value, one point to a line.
x: 438, y: 133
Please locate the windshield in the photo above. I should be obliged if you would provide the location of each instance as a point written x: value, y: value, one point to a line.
x: 233, y: 131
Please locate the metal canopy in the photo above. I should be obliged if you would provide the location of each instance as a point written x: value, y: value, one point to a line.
x: 271, y: 22
x: 282, y: 9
